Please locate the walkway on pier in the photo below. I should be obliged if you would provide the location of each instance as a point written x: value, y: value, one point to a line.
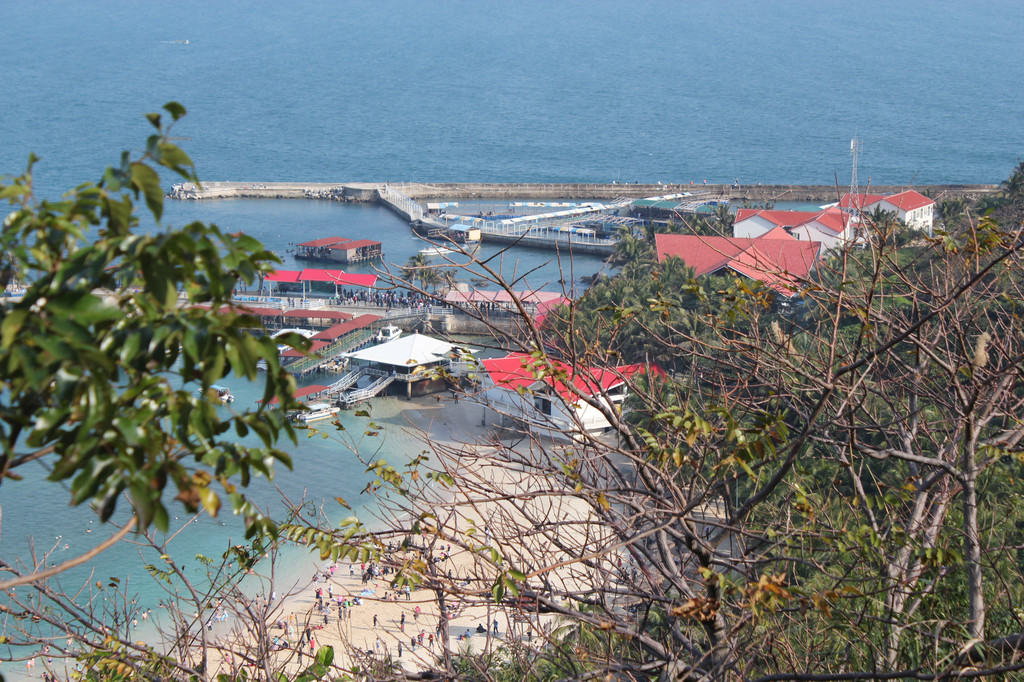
x: 358, y: 395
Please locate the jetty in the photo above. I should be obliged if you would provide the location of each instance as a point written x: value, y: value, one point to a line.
x: 369, y: 192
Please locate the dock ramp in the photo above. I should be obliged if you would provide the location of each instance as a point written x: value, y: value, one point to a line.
x: 351, y: 398
x: 344, y: 383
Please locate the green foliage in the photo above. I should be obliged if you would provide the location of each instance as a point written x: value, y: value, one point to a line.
x: 102, y: 356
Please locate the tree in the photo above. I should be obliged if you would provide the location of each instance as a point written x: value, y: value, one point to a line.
x: 828, y: 496
x: 107, y: 357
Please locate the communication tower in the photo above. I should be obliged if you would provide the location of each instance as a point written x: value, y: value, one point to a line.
x: 855, y: 147
x: 854, y: 209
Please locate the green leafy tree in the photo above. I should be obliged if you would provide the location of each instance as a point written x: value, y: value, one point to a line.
x: 106, y: 357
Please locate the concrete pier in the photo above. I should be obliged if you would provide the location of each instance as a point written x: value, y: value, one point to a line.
x: 371, y: 191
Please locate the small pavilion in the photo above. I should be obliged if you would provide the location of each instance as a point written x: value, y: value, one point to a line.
x: 423, y: 363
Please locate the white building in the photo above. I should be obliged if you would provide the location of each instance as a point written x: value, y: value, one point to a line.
x: 913, y: 208
x: 523, y: 392
x: 830, y: 226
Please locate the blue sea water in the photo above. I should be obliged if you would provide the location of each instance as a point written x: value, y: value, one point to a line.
x: 579, y: 90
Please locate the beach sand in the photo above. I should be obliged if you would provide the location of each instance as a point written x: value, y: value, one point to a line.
x: 375, y: 626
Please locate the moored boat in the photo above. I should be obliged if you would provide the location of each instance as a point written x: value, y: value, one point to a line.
x: 388, y: 333
x: 316, y: 412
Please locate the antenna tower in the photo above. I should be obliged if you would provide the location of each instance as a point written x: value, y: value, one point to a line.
x: 855, y: 147
x: 853, y: 210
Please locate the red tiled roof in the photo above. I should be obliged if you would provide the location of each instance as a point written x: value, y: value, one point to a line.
x: 517, y: 371
x: 781, y: 218
x: 343, y: 328
x: 703, y: 254
x: 323, y: 241
x: 832, y: 218
x: 908, y: 201
x: 777, y: 233
x: 358, y: 244
x: 779, y: 263
x: 862, y: 201
x: 303, y: 392
x: 313, y: 348
x: 333, y: 332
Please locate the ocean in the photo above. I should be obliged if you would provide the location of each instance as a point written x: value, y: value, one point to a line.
x: 399, y: 90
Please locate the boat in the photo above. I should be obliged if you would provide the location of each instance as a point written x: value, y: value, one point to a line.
x: 223, y: 393
x: 306, y: 333
x: 316, y: 412
x: 388, y: 333
x: 435, y: 251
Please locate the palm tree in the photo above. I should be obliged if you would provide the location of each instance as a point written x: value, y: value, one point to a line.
x: 430, y: 277
x: 724, y: 216
x: 1014, y: 185
x: 415, y: 268
x: 630, y: 248
x: 951, y: 211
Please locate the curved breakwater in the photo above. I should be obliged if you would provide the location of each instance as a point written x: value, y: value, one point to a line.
x: 371, y: 191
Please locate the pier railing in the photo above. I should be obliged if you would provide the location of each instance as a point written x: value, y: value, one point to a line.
x: 404, y: 204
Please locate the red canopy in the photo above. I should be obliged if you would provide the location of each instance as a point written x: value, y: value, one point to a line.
x: 321, y: 275
x: 283, y: 276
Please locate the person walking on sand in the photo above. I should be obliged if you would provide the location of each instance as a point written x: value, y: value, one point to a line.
x: 375, y: 621
x: 401, y: 623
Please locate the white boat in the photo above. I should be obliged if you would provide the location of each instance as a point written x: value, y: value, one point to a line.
x: 307, y: 333
x: 223, y: 393
x: 435, y: 251
x: 388, y: 333
x: 316, y: 412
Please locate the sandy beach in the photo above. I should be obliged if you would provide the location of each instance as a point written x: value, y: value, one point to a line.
x: 377, y: 620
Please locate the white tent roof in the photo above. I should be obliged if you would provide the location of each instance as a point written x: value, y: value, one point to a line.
x: 406, y: 351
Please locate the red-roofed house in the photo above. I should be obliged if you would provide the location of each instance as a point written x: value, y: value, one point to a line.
x: 318, y: 249
x: 553, y: 401
x: 356, y: 251
x: 913, y: 208
x: 831, y: 227
x: 781, y: 264
x: 340, y: 249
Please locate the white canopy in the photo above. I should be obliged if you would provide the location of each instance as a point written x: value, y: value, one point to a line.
x: 407, y: 351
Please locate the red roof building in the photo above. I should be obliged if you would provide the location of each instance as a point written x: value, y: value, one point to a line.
x: 515, y: 390
x: 831, y: 227
x: 781, y: 264
x: 340, y: 249
x: 913, y: 208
